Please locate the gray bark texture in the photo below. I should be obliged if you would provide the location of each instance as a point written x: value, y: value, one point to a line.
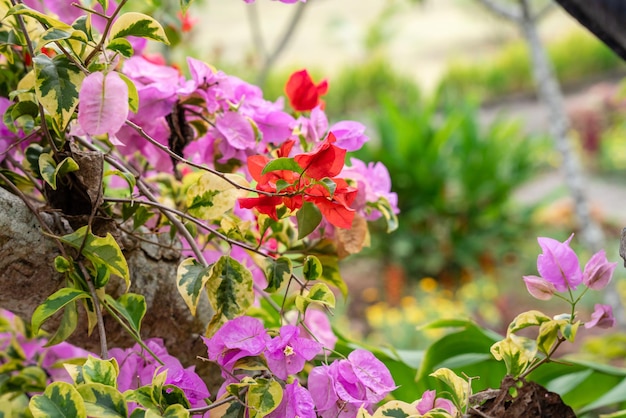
x: 27, y: 278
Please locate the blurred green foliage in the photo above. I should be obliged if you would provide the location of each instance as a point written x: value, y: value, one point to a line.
x: 454, y: 178
x: 575, y: 58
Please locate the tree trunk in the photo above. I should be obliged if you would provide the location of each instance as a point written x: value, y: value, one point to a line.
x: 549, y: 92
x: 28, y: 277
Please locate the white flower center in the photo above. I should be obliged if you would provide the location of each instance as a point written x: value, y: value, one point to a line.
x: 288, y: 350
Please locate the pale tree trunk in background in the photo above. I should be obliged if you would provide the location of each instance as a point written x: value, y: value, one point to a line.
x: 549, y: 91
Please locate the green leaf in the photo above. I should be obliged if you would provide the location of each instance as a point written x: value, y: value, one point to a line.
x: 68, y: 324
x: 263, y: 397
x: 176, y: 411
x: 384, y: 207
x: 309, y: 217
x: 191, y: 277
x: 57, y: 82
x: 100, y: 251
x: 103, y: 372
x: 230, y: 291
x: 58, y: 34
x: 459, y: 388
x: 62, y: 264
x: 138, y: 24
x: 50, y: 171
x: 131, y: 306
x: 212, y: 196
x: 320, y: 293
x: 527, y: 319
x: 312, y: 268
x: 59, y: 400
x: 53, y: 304
x: 277, y: 271
x: 569, y: 331
x: 133, y: 96
x: 548, y: 333
x: 122, y: 47
x: 516, y: 356
x: 47, y: 20
x: 331, y: 274
x: 103, y: 401
x: 282, y: 163
x: 129, y: 178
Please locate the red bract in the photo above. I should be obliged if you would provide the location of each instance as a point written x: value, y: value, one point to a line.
x: 336, y: 208
x: 323, y: 163
x: 326, y: 161
x: 302, y: 93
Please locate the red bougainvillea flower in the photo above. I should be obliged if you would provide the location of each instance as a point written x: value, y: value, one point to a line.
x: 326, y: 161
x: 312, y: 179
x: 302, y: 93
x: 187, y: 22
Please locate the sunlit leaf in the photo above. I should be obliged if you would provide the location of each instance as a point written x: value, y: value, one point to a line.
x: 101, y: 251
x: 57, y: 83
x: 55, y: 302
x: 191, y: 277
x: 276, y: 272
x: 459, y: 387
x: 230, y: 291
x: 212, y: 196
x: 263, y: 397
x: 282, y: 164
x: 131, y: 306
x: 103, y: 401
x: 138, y: 24
x: 59, y: 400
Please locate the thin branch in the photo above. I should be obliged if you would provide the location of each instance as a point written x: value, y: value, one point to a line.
x: 541, y: 13
x: 105, y: 33
x: 183, y: 160
x: 501, y: 10
x: 104, y: 351
x: 20, y: 22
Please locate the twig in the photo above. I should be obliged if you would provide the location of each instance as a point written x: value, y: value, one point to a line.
x: 105, y: 33
x: 214, y: 405
x: 172, y: 154
x: 104, y: 351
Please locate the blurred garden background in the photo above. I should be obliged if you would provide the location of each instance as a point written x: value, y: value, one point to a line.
x: 446, y: 90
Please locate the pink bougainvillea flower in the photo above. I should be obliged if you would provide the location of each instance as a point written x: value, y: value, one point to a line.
x: 559, y: 264
x: 287, y: 353
x: 240, y: 337
x: 236, y: 130
x: 137, y: 368
x: 341, y: 388
x: 598, y: 271
x: 602, y: 317
x: 297, y: 402
x: 430, y: 401
x: 539, y: 288
x: 350, y: 135
x: 373, y: 182
x: 302, y: 93
x: 103, y: 103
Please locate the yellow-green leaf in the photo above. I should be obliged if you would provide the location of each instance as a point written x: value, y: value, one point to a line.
x: 57, y: 83
x: 138, y: 24
x: 176, y: 411
x: 263, y: 397
x: 459, y: 387
x: 59, y: 400
x: 68, y: 324
x: 191, y: 277
x: 277, y: 271
x: 122, y: 47
x: 50, y: 171
x: 548, y: 333
x: 212, y: 196
x: 54, y: 303
x: 229, y: 289
x: 103, y: 401
x: 131, y: 306
x: 101, y: 251
x: 527, y: 319
x: 515, y: 355
x: 47, y: 20
x: 104, y: 372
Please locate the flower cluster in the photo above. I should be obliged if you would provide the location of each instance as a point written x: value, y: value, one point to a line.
x: 560, y: 271
x: 337, y: 389
x: 138, y: 367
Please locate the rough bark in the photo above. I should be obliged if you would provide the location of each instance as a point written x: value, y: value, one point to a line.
x: 28, y: 277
